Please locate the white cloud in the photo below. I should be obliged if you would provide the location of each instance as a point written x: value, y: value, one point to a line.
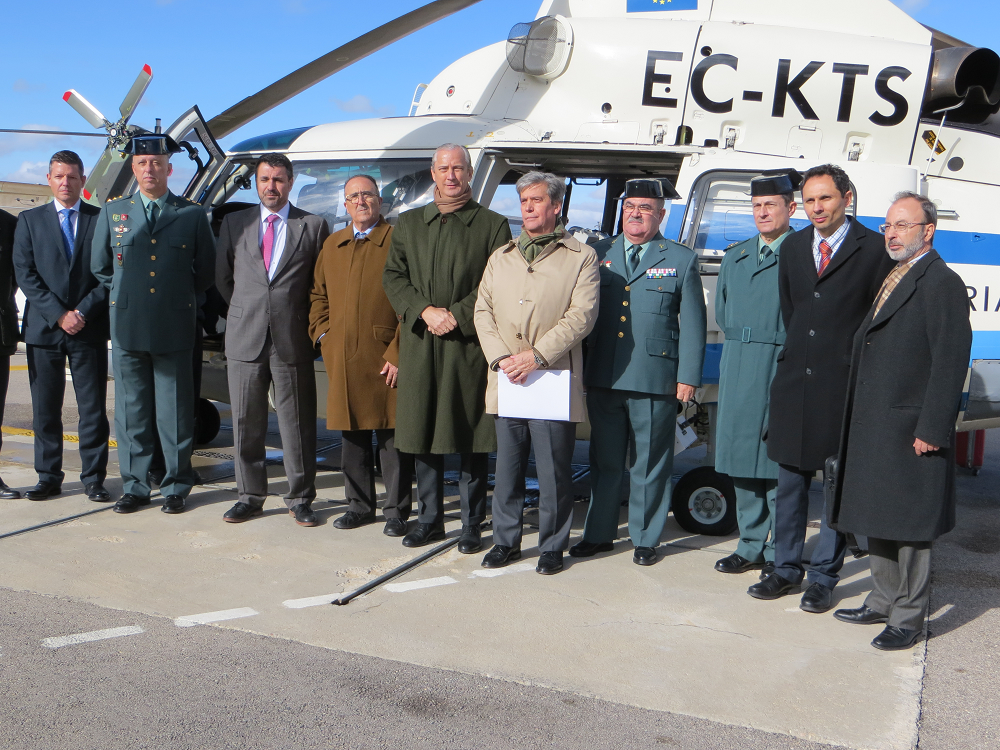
x: 30, y: 171
x: 362, y: 104
x: 24, y: 86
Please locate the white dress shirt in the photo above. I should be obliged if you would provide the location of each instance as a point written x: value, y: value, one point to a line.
x: 279, y: 234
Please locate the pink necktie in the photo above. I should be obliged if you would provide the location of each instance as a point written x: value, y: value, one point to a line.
x: 268, y: 245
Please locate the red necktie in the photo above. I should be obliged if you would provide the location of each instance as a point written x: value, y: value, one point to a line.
x: 825, y: 253
x: 268, y: 245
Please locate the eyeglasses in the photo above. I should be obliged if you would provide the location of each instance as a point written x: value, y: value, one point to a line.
x: 363, y: 196
x: 643, y: 208
x: 901, y: 226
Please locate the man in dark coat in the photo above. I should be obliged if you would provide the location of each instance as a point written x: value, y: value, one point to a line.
x: 897, y: 469
x: 747, y: 310
x: 828, y: 277
x: 8, y: 322
x: 66, y: 318
x: 436, y: 260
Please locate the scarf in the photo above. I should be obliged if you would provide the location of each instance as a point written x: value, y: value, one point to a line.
x: 531, y: 246
x: 451, y: 205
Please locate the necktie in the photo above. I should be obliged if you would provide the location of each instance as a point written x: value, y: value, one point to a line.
x: 67, y: 232
x: 889, y: 285
x: 825, y: 253
x: 633, y: 258
x: 764, y: 252
x: 154, y: 214
x: 268, y: 245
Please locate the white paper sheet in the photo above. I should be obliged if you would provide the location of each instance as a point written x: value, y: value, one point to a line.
x: 543, y: 395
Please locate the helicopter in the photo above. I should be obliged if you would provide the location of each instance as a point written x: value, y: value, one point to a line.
x: 705, y: 93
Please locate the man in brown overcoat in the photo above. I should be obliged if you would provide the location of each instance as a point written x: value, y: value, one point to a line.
x: 355, y: 326
x: 436, y: 261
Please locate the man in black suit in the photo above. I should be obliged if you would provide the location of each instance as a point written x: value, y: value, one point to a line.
x: 66, y: 318
x: 8, y: 322
x: 897, y: 466
x: 828, y: 276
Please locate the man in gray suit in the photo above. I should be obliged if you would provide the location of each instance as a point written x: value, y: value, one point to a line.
x: 266, y: 259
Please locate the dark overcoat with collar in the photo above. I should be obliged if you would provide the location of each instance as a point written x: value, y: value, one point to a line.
x: 51, y: 284
x: 651, y: 327
x: 8, y: 286
x: 821, y: 315
x: 439, y: 260
x: 153, y: 277
x: 908, y: 371
x: 258, y: 303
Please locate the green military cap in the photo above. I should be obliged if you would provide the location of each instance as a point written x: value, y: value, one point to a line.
x: 775, y: 182
x: 660, y: 188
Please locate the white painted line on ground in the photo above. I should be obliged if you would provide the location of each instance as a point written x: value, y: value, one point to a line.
x: 488, y: 573
x: 312, y: 601
x: 943, y: 611
x: 94, y: 635
x: 427, y: 583
x: 188, y: 621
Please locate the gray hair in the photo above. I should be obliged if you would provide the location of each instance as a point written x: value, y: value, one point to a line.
x: 554, y: 186
x: 453, y: 147
x: 929, y: 209
x: 364, y: 176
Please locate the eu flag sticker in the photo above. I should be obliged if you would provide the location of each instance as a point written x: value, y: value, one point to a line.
x: 647, y: 6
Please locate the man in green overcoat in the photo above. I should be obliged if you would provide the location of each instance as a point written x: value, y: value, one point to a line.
x: 155, y: 252
x: 436, y: 260
x: 748, y: 312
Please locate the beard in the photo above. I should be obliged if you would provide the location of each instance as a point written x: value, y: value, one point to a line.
x: 907, y: 251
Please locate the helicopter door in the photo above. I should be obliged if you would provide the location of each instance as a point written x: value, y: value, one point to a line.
x: 193, y: 135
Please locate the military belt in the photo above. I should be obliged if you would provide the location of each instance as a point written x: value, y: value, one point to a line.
x: 748, y: 335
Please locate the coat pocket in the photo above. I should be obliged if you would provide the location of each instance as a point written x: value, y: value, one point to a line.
x: 120, y: 301
x: 384, y: 334
x: 235, y: 312
x: 658, y: 299
x: 662, y: 347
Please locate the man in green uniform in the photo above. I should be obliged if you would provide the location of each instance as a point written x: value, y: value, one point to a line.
x: 747, y: 310
x: 436, y: 260
x: 644, y: 355
x: 155, y: 252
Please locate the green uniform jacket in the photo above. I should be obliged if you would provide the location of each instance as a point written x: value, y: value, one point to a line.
x: 155, y: 278
x: 439, y: 260
x: 650, y: 331
x: 748, y: 311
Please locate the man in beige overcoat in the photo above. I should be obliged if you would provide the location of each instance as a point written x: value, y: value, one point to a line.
x: 357, y: 329
x: 537, y: 302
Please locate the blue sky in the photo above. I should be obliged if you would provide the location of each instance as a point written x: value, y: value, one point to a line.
x: 215, y: 52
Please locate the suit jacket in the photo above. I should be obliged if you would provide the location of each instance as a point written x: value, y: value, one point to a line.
x: 52, y: 285
x: 154, y: 277
x: 907, y: 375
x: 821, y: 316
x: 651, y: 325
x: 8, y: 286
x: 257, y: 303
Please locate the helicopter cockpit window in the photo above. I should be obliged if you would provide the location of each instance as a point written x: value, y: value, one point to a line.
x: 403, y: 184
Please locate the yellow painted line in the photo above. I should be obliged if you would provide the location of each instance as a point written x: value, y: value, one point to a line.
x: 31, y: 433
x: 18, y: 367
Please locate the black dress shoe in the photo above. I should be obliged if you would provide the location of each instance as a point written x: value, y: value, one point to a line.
x: 644, y: 556
x: 242, y: 512
x: 173, y: 504
x: 772, y: 587
x: 895, y: 639
x: 303, y: 515
x: 6, y: 493
x: 129, y: 503
x: 767, y: 570
x: 96, y: 492
x: 394, y: 527
x: 425, y: 533
x: 500, y: 556
x: 43, y: 491
x: 817, y: 599
x: 549, y: 563
x: 584, y: 548
x: 863, y: 615
x: 471, y: 540
x: 352, y: 520
x: 736, y: 564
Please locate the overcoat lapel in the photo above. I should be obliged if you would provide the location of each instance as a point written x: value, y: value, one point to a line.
x: 903, y: 291
x: 848, y: 247
x: 249, y: 244
x: 769, y: 261
x: 168, y: 215
x: 83, y: 221
x: 293, y: 235
x: 616, y: 254
x: 655, y: 253
x: 55, y: 228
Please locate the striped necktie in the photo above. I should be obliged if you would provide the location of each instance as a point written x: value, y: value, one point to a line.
x: 67, y: 232
x: 825, y: 253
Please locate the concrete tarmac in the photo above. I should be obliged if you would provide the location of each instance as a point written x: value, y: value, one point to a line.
x: 240, y: 647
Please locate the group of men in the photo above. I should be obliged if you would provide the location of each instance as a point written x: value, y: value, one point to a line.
x: 841, y: 346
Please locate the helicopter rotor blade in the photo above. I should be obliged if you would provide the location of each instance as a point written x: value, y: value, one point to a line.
x: 89, y: 111
x: 318, y: 70
x: 53, y: 132
x: 135, y: 93
x: 98, y: 176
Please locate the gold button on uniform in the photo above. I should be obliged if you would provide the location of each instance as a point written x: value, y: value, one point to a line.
x: 152, y: 291
x: 623, y: 318
x: 152, y: 273
x: 628, y: 288
x: 625, y: 303
x: 621, y: 335
x: 153, y: 241
x: 152, y: 257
